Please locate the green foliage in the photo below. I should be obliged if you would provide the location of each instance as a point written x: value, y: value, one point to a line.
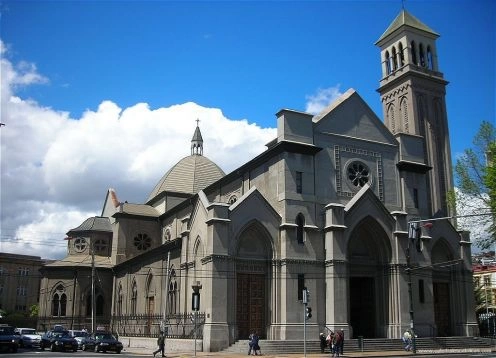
x: 34, y: 310
x: 475, y: 180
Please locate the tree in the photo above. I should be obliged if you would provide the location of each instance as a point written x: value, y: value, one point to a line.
x: 475, y: 180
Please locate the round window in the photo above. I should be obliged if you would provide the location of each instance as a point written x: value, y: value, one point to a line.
x: 142, y: 241
x: 358, y: 173
x: 80, y: 244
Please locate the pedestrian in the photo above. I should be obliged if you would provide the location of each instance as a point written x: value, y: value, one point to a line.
x: 407, y: 340
x: 161, y: 344
x: 336, y: 346
x: 250, y: 343
x: 323, y: 342
x: 256, y: 347
x: 341, y: 333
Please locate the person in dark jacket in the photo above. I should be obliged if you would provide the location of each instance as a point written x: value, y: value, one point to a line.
x: 323, y: 342
x: 161, y: 344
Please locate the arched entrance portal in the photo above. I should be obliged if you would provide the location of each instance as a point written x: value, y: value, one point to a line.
x: 369, y: 254
x: 441, y: 277
x: 252, y: 284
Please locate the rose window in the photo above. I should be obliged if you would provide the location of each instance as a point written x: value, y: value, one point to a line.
x: 142, y: 242
x: 358, y: 174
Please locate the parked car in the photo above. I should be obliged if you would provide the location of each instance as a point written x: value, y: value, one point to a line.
x: 28, y: 337
x: 8, y: 340
x: 58, y: 341
x: 102, y: 342
x: 78, y: 335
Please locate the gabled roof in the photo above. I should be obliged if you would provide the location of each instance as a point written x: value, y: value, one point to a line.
x: 406, y: 19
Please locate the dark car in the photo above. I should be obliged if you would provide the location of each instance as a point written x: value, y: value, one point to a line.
x: 102, y: 342
x: 58, y: 341
x: 8, y: 340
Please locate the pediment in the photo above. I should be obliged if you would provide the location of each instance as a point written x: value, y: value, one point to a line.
x: 350, y: 116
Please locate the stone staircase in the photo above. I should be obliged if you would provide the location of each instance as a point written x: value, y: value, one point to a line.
x: 426, y: 345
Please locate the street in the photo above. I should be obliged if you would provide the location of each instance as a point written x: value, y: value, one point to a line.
x: 33, y: 353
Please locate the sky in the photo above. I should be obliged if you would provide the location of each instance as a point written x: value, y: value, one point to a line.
x: 106, y: 94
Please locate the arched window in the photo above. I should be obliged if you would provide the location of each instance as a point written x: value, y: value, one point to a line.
x: 402, y: 54
x: 59, y: 302
x: 390, y: 116
x: 99, y: 305
x: 404, y: 114
x: 422, y: 55
x: 134, y: 298
x: 172, y: 293
x: 430, y: 63
x: 119, y: 300
x: 63, y: 304
x: 395, y: 59
x: 414, y: 53
x: 300, y: 232
x: 388, y: 63
x: 55, y: 304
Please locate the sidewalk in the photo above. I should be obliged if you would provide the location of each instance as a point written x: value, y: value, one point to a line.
x: 147, y: 352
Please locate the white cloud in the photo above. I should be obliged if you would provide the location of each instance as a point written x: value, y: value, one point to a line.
x: 56, y: 169
x: 320, y: 100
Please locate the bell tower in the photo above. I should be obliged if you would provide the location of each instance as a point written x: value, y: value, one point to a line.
x: 412, y: 91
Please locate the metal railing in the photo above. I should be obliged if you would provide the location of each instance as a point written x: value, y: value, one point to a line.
x: 180, y: 325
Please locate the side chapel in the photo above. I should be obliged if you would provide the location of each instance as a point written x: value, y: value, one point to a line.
x: 326, y: 206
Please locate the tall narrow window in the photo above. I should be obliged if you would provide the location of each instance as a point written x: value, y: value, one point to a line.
x: 415, y: 198
x: 430, y: 63
x: 172, y: 294
x: 55, y: 304
x: 300, y: 232
x: 119, y: 301
x: 395, y: 59
x: 299, y: 182
x: 63, y: 304
x: 301, y: 286
x: 422, y: 55
x: 134, y: 297
x: 99, y: 305
x: 402, y: 54
x: 388, y: 63
x: 421, y: 291
x: 414, y: 53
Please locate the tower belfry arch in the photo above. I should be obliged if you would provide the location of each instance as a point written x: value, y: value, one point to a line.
x: 412, y: 91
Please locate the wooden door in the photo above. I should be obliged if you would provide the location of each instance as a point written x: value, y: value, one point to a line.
x: 362, y: 307
x: 442, y: 308
x: 250, y: 305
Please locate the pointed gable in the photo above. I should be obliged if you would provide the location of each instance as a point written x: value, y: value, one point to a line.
x: 366, y: 203
x: 350, y: 116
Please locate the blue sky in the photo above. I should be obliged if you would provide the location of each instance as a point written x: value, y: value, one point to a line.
x: 238, y: 61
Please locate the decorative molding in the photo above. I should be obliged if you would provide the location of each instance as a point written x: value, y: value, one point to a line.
x: 334, y: 227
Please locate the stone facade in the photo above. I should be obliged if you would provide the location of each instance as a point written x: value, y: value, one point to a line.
x: 327, y: 206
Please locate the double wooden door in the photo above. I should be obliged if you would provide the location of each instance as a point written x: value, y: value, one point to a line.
x: 250, y: 305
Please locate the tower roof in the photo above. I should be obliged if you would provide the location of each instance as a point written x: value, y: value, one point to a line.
x: 406, y: 19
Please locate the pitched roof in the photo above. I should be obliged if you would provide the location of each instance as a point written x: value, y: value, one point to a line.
x: 96, y: 223
x: 406, y: 19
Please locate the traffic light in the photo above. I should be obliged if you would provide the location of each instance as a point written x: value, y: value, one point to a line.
x: 309, y: 312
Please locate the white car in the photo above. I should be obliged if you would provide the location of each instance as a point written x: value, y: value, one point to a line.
x: 78, y: 336
x: 28, y: 337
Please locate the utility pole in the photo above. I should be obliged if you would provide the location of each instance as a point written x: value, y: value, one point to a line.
x: 92, y: 246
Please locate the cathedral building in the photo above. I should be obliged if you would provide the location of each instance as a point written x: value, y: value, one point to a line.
x: 327, y: 207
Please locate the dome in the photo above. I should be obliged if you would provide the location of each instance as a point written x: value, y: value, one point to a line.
x: 190, y: 175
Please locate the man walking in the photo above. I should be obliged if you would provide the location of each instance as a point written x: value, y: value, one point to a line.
x: 161, y: 344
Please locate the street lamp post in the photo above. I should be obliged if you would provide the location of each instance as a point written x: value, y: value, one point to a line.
x: 195, y: 304
x: 412, y: 230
